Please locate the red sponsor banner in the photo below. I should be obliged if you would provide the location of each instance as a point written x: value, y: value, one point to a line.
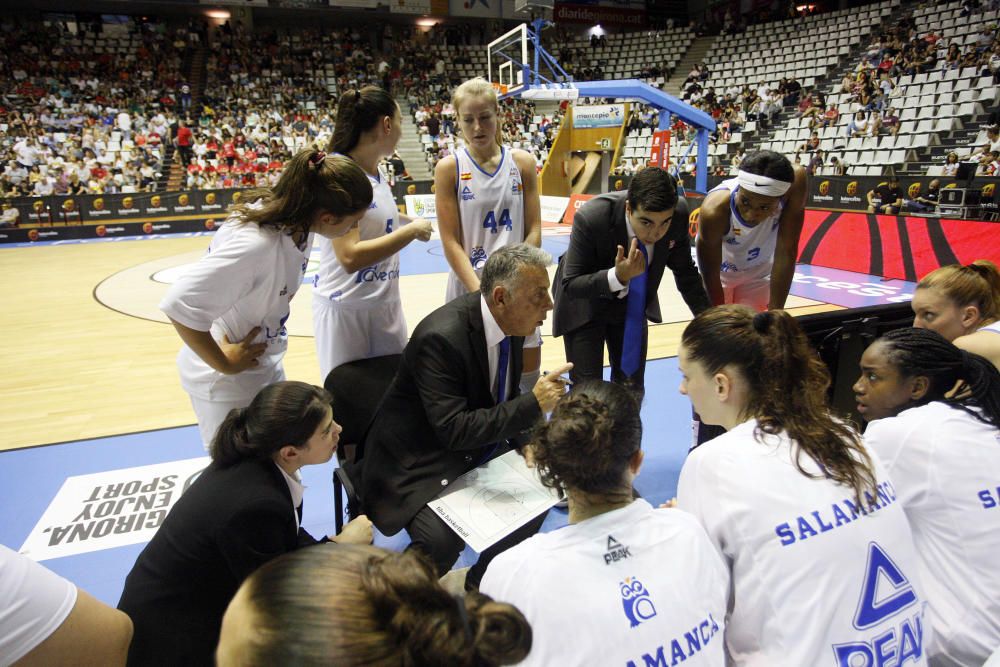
x: 906, y: 248
x: 590, y: 14
x: 575, y: 202
x: 659, y: 154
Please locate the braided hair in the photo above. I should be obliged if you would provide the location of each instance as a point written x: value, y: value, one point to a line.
x: 922, y: 352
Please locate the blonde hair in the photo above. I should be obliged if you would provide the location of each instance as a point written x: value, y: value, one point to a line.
x: 976, y: 284
x: 478, y: 88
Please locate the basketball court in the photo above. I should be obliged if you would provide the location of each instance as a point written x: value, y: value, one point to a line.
x: 92, y: 391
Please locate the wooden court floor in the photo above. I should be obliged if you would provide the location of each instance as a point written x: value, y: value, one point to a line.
x: 90, y: 355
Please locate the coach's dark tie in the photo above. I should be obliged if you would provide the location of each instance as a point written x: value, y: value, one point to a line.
x: 635, y: 316
x: 502, y: 363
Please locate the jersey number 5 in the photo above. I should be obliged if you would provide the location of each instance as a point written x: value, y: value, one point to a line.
x: 491, y: 221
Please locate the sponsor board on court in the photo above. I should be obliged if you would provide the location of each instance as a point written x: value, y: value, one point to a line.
x: 110, y: 509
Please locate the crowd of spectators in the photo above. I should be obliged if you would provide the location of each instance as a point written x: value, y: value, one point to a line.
x: 76, y: 117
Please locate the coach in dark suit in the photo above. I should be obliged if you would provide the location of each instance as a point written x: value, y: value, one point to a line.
x: 592, y: 282
x: 445, y: 412
x: 241, y: 512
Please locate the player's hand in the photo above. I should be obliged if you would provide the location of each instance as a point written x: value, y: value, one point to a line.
x: 629, y: 266
x: 550, y: 388
x: 358, y: 531
x: 243, y: 354
x: 422, y: 229
x: 669, y: 504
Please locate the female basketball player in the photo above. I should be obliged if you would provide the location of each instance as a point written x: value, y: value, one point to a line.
x: 942, y: 449
x: 669, y: 576
x: 356, y: 308
x: 231, y: 306
x: 962, y: 303
x: 360, y: 606
x: 803, y: 513
x: 487, y: 197
x: 748, y: 232
x: 241, y: 511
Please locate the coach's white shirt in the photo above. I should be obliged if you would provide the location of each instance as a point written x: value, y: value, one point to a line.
x: 245, y: 280
x: 945, y: 464
x: 632, y: 587
x: 815, y: 580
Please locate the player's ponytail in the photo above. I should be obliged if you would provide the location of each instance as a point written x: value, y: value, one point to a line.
x: 353, y: 605
x: 589, y: 440
x: 922, y: 352
x: 358, y: 111
x: 787, y: 386
x: 283, y: 413
x: 312, y: 182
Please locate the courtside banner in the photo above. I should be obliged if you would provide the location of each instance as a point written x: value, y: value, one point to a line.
x: 553, y: 208
x: 110, y: 509
x: 598, y: 115
x: 902, y: 247
x: 592, y: 15
x: 113, y: 209
x: 421, y: 206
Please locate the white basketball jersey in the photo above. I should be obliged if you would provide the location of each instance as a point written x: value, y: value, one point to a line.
x: 490, y: 207
x: 747, y: 251
x: 372, y: 285
x: 816, y: 578
x: 995, y: 327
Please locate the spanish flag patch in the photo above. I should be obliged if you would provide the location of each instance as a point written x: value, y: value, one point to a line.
x: 466, y: 176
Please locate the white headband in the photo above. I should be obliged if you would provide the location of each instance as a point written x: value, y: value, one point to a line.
x: 762, y: 185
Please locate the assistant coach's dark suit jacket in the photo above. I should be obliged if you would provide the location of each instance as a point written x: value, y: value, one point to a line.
x: 580, y: 289
x: 227, y: 524
x: 438, y: 417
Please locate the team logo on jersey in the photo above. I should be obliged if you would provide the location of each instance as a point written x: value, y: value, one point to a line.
x: 732, y: 240
x: 374, y: 204
x: 467, y: 194
x: 478, y: 257
x: 729, y: 267
x: 516, y: 188
x: 636, y: 602
x: 616, y: 551
x: 466, y: 176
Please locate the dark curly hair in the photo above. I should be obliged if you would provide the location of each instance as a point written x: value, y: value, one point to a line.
x: 592, y: 435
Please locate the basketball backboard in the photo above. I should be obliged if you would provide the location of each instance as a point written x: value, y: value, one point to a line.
x: 507, y: 61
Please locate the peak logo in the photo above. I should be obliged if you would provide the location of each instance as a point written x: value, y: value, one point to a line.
x: 616, y: 551
x: 467, y: 194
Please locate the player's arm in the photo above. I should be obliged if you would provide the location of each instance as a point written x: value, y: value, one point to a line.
x: 449, y: 224
x: 532, y: 204
x: 227, y: 357
x: 713, y: 223
x: 787, y: 247
x: 355, y: 254
x: 92, y: 634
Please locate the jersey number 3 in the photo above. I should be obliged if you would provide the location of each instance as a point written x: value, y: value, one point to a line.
x: 491, y: 221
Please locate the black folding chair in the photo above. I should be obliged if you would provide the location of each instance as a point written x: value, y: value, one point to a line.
x: 357, y: 388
